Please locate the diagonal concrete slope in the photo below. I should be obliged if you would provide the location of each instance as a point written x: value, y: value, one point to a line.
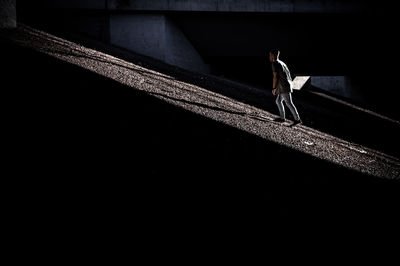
x: 214, y: 106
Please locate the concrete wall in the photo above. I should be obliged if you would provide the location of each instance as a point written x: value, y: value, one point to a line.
x: 339, y: 85
x: 156, y: 36
x: 8, y: 15
x: 238, y: 5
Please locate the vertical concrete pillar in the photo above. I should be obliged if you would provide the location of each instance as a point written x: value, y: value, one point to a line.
x: 156, y: 36
x: 143, y: 34
x: 8, y: 14
x: 180, y: 52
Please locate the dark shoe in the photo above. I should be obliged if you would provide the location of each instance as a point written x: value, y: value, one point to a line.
x: 280, y: 120
x: 296, y: 122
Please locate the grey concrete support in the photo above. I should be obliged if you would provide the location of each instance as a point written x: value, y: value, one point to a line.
x: 156, y: 36
x: 8, y: 15
x: 238, y: 5
x: 180, y: 52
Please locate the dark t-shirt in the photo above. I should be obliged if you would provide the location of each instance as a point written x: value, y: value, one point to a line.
x: 284, y: 81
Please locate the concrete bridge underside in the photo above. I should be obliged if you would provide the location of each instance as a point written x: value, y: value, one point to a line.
x: 308, y: 6
x: 150, y: 28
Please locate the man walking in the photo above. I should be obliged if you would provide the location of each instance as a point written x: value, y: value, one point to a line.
x: 282, y: 86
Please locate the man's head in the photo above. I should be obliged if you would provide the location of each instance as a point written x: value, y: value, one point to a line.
x: 273, y: 55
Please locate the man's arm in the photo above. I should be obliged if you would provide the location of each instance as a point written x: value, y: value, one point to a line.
x: 274, y: 80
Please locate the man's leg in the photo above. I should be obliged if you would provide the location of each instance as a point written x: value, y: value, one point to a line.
x: 289, y: 103
x: 279, y: 103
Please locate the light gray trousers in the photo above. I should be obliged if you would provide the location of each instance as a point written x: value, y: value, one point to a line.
x: 287, y: 97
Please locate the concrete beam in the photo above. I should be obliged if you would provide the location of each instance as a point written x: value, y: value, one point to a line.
x: 78, y: 4
x: 8, y: 14
x: 238, y: 5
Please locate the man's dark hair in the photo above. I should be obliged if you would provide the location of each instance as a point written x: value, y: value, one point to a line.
x: 275, y: 52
